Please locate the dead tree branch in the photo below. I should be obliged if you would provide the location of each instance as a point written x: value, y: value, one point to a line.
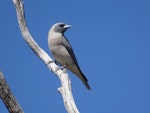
x: 7, y: 97
x: 65, y: 88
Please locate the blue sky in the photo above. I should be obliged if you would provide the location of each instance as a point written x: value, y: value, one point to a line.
x: 111, y: 40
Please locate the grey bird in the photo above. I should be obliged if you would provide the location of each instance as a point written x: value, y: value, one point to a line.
x: 63, y: 52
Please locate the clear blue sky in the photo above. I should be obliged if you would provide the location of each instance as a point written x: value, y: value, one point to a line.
x: 111, y: 40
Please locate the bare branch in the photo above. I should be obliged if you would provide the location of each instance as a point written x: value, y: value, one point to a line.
x: 65, y: 89
x: 7, y: 97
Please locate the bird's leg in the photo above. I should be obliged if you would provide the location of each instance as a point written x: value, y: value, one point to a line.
x: 53, y: 61
x: 56, y: 62
x: 62, y: 67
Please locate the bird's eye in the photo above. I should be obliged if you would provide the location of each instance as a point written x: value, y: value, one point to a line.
x: 62, y: 25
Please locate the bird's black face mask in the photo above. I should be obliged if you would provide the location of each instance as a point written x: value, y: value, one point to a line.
x: 60, y: 28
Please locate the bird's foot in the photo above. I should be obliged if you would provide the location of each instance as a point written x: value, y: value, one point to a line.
x: 56, y: 62
x: 52, y: 61
x: 62, y: 67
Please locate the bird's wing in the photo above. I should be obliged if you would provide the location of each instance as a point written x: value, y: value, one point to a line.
x: 70, y: 50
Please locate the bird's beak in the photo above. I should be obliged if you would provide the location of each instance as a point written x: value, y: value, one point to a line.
x: 67, y: 26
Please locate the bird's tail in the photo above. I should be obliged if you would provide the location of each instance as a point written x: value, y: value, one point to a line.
x: 85, y: 81
x: 76, y: 70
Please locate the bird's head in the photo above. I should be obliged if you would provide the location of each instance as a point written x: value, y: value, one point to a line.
x: 60, y: 27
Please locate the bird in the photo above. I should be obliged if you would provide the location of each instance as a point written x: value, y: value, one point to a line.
x: 62, y: 51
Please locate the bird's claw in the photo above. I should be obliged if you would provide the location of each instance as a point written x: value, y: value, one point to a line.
x: 62, y: 67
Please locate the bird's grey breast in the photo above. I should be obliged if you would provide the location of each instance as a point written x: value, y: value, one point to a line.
x: 58, y: 49
x: 54, y: 42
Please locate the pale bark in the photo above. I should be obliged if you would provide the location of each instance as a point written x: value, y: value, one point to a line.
x: 65, y: 88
